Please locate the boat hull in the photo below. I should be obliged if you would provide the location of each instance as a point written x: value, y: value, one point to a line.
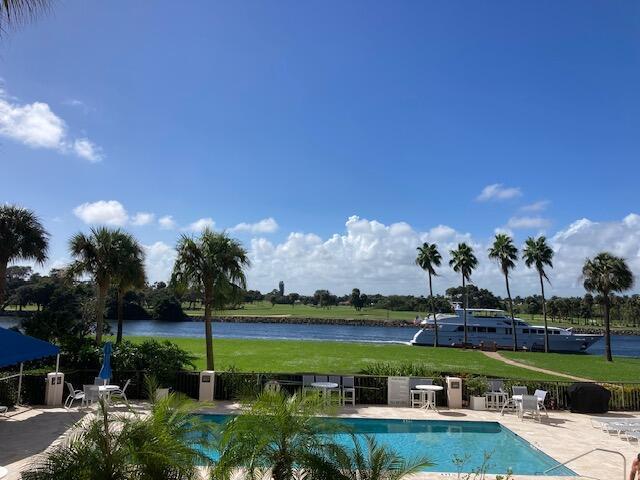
x: 575, y: 343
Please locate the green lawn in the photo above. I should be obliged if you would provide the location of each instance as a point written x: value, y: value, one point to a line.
x: 289, y: 356
x: 264, y: 309
x: 587, y: 366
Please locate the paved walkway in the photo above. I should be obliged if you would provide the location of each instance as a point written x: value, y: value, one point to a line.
x: 508, y: 361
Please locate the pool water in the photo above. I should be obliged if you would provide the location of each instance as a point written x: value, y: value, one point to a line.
x: 442, y: 440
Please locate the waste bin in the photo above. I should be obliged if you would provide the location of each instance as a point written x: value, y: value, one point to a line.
x: 454, y: 392
x: 207, y: 382
x: 54, y: 389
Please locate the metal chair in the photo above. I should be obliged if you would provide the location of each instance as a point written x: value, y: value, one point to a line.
x: 541, y: 395
x: 511, y: 403
x: 334, y: 393
x: 121, y: 393
x: 348, y: 390
x: 91, y: 394
x: 73, y: 395
x: 529, y: 404
x: 307, y: 380
x: 418, y: 397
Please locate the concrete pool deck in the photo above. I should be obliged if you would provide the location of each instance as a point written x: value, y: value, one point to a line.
x: 28, y: 432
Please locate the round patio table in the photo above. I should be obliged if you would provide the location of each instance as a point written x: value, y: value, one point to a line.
x: 105, y: 390
x: 431, y: 395
x: 325, y: 387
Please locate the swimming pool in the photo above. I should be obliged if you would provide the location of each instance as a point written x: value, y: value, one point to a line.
x: 441, y: 440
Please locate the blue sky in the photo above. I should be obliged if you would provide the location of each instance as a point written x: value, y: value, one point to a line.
x: 309, y: 113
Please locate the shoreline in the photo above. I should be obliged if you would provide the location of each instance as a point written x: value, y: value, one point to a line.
x: 334, y: 321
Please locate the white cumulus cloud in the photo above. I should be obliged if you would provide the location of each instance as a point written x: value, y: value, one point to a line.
x: 159, y: 259
x: 536, y: 206
x: 37, y: 126
x: 142, y: 218
x: 167, y: 222
x: 200, y: 225
x: 266, y: 225
x: 528, y: 222
x: 102, y: 212
x: 497, y: 191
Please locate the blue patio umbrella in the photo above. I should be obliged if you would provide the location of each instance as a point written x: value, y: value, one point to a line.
x: 105, y: 371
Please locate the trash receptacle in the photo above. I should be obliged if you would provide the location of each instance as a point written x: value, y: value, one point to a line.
x: 454, y: 392
x: 207, y: 382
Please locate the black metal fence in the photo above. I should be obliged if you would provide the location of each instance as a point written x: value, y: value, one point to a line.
x: 371, y: 390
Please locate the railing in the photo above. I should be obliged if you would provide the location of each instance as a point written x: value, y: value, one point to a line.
x: 624, y: 460
x: 370, y: 389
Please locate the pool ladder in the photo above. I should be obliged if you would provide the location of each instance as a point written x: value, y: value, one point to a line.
x: 624, y: 460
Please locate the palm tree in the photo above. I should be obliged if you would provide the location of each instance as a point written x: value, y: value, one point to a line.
x: 167, y: 443
x: 276, y: 435
x: 214, y: 264
x: 129, y: 275
x: 429, y: 258
x: 606, y: 274
x: 16, y: 12
x: 505, y: 253
x: 539, y: 254
x: 97, y: 255
x: 464, y: 262
x: 373, y: 461
x: 22, y: 237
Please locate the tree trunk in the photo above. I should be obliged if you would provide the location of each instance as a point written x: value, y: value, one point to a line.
x: 607, y: 328
x: 513, y: 320
x: 207, y: 327
x: 433, y: 309
x: 3, y: 281
x: 102, y: 295
x: 464, y: 310
x: 544, y: 315
x: 120, y: 316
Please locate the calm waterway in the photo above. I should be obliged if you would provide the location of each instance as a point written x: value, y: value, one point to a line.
x: 625, y: 345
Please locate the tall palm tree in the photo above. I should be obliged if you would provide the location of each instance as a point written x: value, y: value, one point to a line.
x: 505, y: 253
x: 429, y: 258
x: 97, y: 255
x: 213, y: 263
x: 464, y: 262
x: 16, y: 12
x: 606, y: 274
x: 129, y: 274
x: 22, y: 237
x: 538, y: 253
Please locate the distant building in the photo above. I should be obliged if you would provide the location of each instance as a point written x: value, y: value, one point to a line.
x: 281, y: 288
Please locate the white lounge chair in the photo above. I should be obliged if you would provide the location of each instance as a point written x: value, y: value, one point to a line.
x: 121, y: 393
x: 530, y: 404
x: 73, y: 395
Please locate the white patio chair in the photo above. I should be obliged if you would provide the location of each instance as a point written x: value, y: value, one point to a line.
x: 541, y: 395
x: 334, y: 393
x: 120, y: 393
x: 73, y: 396
x: 91, y: 394
x: 530, y: 404
x: 418, y: 398
x: 511, y: 403
x: 348, y: 390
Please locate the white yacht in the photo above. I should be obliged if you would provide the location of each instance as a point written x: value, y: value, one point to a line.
x: 489, y: 326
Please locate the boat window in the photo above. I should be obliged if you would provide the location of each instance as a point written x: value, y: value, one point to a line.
x: 482, y: 329
x: 525, y: 330
x: 507, y: 331
x: 460, y: 328
x: 491, y: 329
x: 541, y: 331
